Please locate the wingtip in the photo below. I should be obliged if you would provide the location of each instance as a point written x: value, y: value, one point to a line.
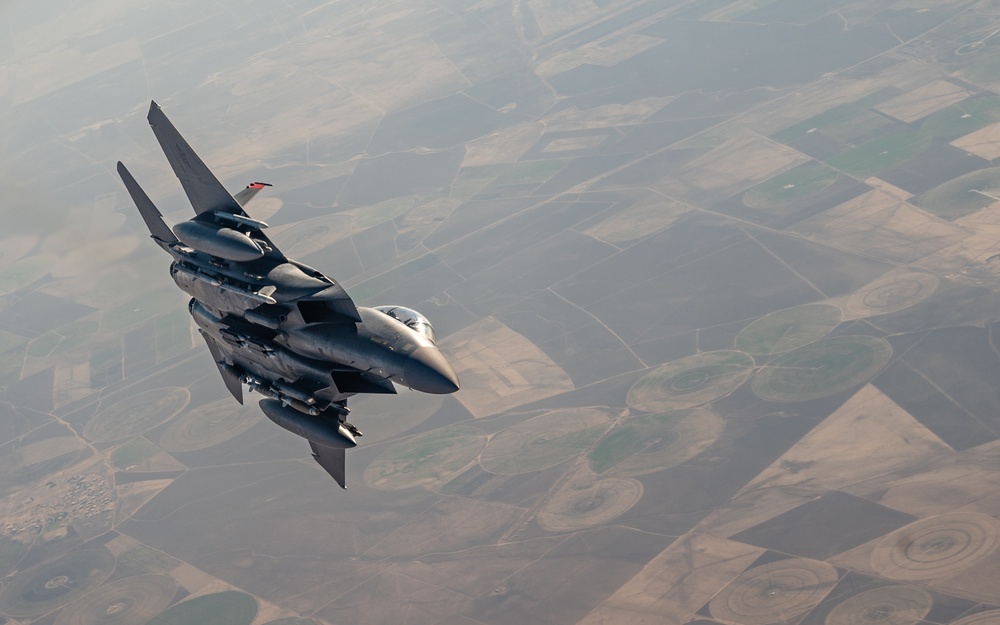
x: 154, y: 111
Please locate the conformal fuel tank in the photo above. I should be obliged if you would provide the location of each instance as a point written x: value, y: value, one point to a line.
x: 221, y: 242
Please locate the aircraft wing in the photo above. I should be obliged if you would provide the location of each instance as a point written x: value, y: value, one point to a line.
x: 332, y: 460
x: 232, y: 382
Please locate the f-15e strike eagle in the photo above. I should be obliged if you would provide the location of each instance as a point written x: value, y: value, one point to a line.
x: 276, y: 325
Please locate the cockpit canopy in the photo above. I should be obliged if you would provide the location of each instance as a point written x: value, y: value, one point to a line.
x: 409, y: 318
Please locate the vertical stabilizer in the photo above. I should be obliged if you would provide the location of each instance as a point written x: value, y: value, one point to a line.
x: 203, y: 189
x: 150, y: 214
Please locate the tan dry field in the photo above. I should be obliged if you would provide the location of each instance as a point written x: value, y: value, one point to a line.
x: 880, y: 225
x: 554, y: 16
x: 568, y: 144
x: 970, y: 253
x: 379, y: 72
x: 604, y: 116
x: 132, y: 497
x: 829, y: 92
x: 504, y: 146
x: 984, y: 142
x: 885, y: 187
x: 966, y: 480
x: 867, y: 436
x: 608, y: 52
x: 734, y: 166
x: 676, y: 583
x: 72, y: 381
x: 468, y: 522
x: 649, y: 216
x: 394, y: 597
x: 464, y: 572
x: 500, y: 369
x: 923, y: 101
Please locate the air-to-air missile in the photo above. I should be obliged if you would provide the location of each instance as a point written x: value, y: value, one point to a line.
x: 278, y: 326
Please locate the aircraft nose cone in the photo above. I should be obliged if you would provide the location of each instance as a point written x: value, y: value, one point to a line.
x: 427, y: 371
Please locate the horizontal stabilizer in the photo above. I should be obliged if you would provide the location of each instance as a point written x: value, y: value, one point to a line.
x: 148, y: 210
x: 248, y: 194
x: 203, y: 189
x: 333, y: 460
x: 232, y: 381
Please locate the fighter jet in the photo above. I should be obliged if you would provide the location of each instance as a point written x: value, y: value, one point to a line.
x: 277, y: 326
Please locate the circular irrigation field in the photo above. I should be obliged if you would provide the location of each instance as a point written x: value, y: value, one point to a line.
x: 936, y: 546
x: 209, y: 425
x: 578, y: 505
x: 788, y: 329
x: 134, y: 414
x: 790, y: 187
x: 822, y: 368
x: 649, y: 443
x: 886, y: 605
x: 426, y: 459
x: 53, y: 584
x: 543, y: 441
x: 127, y: 601
x: 690, y: 381
x: 222, y: 608
x: 787, y: 587
x: 963, y: 195
x: 897, y: 290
